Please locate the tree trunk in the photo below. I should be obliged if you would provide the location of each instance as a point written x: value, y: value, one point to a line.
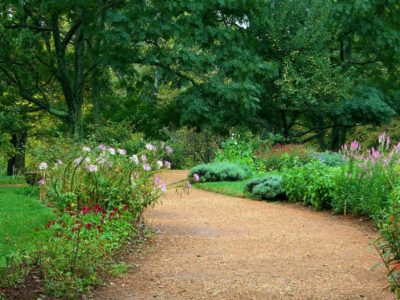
x: 96, y: 94
x: 16, y: 163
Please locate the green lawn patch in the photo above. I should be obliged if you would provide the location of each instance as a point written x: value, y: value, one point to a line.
x: 4, y: 179
x: 20, y: 214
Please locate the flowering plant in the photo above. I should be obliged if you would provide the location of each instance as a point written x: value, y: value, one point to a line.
x: 106, y: 176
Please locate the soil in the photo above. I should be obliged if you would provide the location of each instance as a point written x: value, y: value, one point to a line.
x: 210, y: 246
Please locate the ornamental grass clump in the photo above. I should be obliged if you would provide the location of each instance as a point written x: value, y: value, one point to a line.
x: 219, y: 171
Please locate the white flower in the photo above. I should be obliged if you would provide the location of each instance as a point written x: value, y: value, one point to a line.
x: 159, y: 164
x: 58, y: 162
x: 43, y: 166
x: 111, y: 150
x: 143, y: 158
x: 92, y: 168
x: 146, y: 167
x: 151, y: 147
x: 78, y: 160
x: 86, y: 149
x: 121, y: 151
x: 135, y: 159
x: 169, y: 149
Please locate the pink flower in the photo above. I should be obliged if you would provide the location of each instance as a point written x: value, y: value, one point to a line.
x: 41, y: 182
x: 167, y: 164
x: 43, y: 166
x: 163, y: 187
x: 146, y: 167
x: 102, y: 147
x: 169, y: 149
x: 375, y: 153
x: 157, y: 180
x: 189, y: 185
x: 354, y: 145
x: 196, y: 177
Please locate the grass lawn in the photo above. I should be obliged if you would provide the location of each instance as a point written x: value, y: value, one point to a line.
x: 12, y: 179
x: 20, y: 213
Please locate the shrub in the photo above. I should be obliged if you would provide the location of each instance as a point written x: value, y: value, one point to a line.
x: 313, y: 183
x: 191, y: 147
x: 240, y: 148
x: 74, y: 250
x: 220, y: 171
x: 332, y: 159
x: 387, y: 244
x: 268, y: 187
x: 285, y: 156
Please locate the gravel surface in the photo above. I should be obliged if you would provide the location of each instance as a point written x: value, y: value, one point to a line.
x: 210, y: 246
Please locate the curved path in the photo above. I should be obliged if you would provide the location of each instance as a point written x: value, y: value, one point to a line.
x: 210, y: 246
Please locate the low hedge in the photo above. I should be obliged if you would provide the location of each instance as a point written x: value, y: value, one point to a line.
x: 220, y: 171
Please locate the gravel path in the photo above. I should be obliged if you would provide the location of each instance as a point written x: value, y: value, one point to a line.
x: 210, y: 246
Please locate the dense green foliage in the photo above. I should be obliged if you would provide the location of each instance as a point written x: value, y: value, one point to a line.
x: 268, y: 187
x: 220, y: 171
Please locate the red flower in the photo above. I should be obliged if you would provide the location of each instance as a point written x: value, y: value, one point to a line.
x: 72, y: 213
x: 85, y: 210
x: 111, y: 216
x: 96, y: 208
x: 99, y: 228
x: 88, y: 226
x: 115, y: 209
x: 396, y: 266
x: 126, y: 207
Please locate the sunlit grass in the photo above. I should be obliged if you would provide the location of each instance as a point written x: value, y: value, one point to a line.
x: 20, y: 214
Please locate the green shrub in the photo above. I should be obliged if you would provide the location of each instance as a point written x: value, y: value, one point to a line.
x: 313, y: 183
x: 220, y: 171
x: 240, y: 148
x: 388, y: 245
x: 332, y: 159
x: 268, y: 187
x: 192, y: 147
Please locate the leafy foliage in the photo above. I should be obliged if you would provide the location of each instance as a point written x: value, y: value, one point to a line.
x: 220, y: 171
x: 313, y: 183
x: 268, y: 187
